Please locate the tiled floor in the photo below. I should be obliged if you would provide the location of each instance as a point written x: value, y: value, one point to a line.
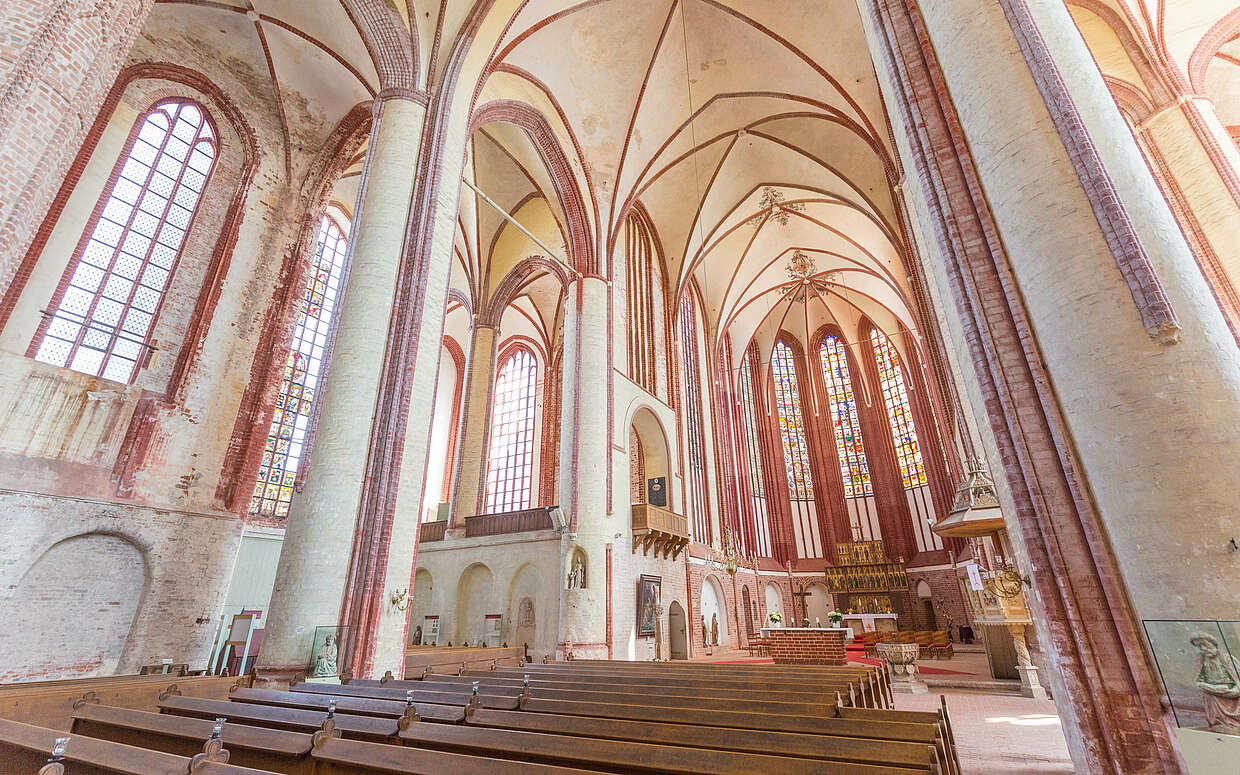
x: 1000, y: 734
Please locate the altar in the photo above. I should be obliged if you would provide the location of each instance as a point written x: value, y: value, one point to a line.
x: 859, y: 623
x: 807, y: 645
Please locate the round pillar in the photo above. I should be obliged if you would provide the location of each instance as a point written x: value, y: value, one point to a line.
x: 470, y: 490
x: 310, y: 579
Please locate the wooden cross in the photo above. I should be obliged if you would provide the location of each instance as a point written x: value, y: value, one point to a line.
x: 804, y: 607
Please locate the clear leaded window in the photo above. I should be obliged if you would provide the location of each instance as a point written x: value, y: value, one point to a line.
x: 791, y: 423
x: 290, y: 422
x: 510, y: 460
x: 100, y: 320
x: 692, y: 378
x: 749, y: 429
x: 899, y: 416
x: 854, y: 468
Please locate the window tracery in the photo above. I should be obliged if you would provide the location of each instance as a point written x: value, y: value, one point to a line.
x: 510, y: 459
x: 791, y: 423
x: 753, y: 454
x: 854, y: 468
x: 99, y: 321
x: 899, y: 414
x: 290, y: 422
x: 642, y: 285
x: 695, y: 474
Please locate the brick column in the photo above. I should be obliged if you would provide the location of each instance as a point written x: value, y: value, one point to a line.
x: 1086, y: 331
x: 584, y: 452
x: 58, y: 59
x: 309, y: 586
x: 468, y: 494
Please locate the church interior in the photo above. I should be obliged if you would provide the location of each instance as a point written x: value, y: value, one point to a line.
x: 630, y: 386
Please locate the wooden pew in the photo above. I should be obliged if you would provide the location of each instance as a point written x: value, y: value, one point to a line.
x: 916, y: 756
x: 939, y: 718
x: 356, y: 706
x: 25, y: 748
x: 266, y: 749
x: 336, y: 756
x: 294, y: 719
x: 629, y: 757
x: 51, y: 703
x: 686, y: 699
x: 487, y: 699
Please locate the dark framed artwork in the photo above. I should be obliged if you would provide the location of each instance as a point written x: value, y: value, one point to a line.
x: 647, y: 598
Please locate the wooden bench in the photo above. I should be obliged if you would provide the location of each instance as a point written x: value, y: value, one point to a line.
x: 351, y: 757
x: 297, y: 720
x: 248, y: 746
x: 485, y: 699
x: 356, y: 706
x: 921, y: 757
x: 25, y: 749
x: 637, y: 758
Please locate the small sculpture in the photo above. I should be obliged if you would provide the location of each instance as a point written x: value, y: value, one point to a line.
x: 714, y: 629
x: 705, y: 632
x: 417, y: 636
x: 1218, y: 678
x: 577, y: 576
x: 325, y: 664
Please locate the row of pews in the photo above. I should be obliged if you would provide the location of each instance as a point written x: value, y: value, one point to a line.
x: 532, y: 719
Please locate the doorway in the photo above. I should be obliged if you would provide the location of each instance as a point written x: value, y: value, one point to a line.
x: 677, y: 634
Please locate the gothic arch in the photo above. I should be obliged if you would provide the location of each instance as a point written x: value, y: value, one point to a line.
x: 526, y: 270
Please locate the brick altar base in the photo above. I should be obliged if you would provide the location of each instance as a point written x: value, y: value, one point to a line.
x: 807, y: 646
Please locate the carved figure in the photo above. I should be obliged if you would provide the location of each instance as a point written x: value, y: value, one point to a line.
x: 714, y: 629
x: 577, y: 576
x: 1218, y: 678
x: 325, y: 663
x: 417, y: 636
x: 705, y: 632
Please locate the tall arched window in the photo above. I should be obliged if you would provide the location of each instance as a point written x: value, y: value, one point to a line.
x: 691, y: 376
x: 639, y: 262
x: 796, y: 451
x: 100, y: 318
x: 753, y: 454
x: 899, y: 415
x: 290, y: 422
x: 510, y: 460
x: 904, y: 434
x: 854, y: 468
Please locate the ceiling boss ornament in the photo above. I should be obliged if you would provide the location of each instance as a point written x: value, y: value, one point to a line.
x: 772, y: 204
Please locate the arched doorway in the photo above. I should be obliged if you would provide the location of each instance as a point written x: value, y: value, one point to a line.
x: 677, y: 631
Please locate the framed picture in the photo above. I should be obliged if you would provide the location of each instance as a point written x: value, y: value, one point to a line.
x: 647, y: 598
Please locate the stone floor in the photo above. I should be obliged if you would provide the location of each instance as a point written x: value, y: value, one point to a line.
x: 1000, y: 734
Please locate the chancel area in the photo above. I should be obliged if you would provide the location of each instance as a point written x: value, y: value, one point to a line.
x: 659, y: 386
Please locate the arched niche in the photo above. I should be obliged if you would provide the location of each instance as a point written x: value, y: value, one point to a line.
x: 421, y: 605
x: 774, y: 602
x: 714, y: 609
x: 817, y: 605
x: 75, y: 607
x: 648, y: 432
x: 526, y: 601
x: 475, y: 598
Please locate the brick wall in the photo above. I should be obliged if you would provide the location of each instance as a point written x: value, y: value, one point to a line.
x: 807, y: 647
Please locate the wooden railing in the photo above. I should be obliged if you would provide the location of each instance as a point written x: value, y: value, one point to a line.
x: 524, y: 521
x: 433, y: 531
x: 665, y: 531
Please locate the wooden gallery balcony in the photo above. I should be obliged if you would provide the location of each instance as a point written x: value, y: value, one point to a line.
x: 523, y: 521
x: 659, y: 529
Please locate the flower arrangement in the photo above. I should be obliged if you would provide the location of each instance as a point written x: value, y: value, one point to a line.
x: 776, y: 617
x: 835, y: 617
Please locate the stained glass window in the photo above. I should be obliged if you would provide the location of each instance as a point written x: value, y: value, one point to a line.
x: 899, y: 416
x: 691, y: 376
x: 100, y: 321
x: 290, y: 421
x: 511, y: 458
x: 854, y: 468
x: 791, y: 423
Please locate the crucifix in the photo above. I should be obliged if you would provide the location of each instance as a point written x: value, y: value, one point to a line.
x: 804, y: 608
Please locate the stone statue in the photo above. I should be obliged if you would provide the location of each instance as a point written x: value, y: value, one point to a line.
x: 417, y: 636
x: 325, y: 663
x: 714, y: 629
x: 1218, y: 678
x: 705, y: 632
x: 577, y: 576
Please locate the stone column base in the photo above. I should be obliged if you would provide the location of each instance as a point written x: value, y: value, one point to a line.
x: 1029, y: 686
